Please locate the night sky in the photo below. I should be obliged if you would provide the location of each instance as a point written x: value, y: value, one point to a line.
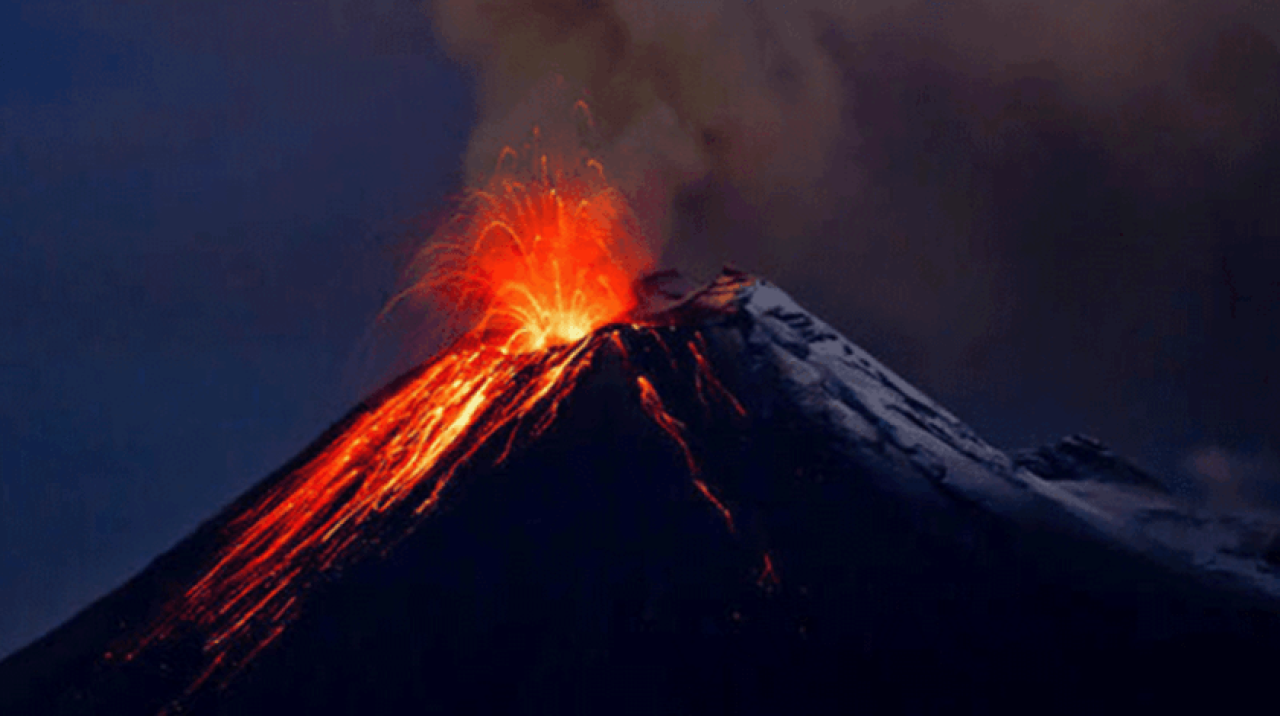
x: 203, y: 212
x: 203, y: 207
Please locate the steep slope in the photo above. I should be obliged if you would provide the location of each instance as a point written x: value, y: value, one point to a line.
x: 804, y: 533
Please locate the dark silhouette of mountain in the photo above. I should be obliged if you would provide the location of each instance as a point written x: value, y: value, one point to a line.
x: 883, y: 559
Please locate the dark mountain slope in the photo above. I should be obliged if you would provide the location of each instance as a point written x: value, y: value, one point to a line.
x: 914, y: 567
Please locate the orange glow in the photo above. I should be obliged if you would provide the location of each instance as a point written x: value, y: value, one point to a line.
x: 409, y: 446
x: 542, y: 260
x: 705, y: 376
x: 534, y: 265
x: 537, y: 264
x: 652, y: 404
x: 715, y: 502
x: 768, y: 575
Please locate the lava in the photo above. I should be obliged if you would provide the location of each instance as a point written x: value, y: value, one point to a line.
x: 768, y: 575
x: 704, y: 377
x: 543, y: 262
x: 652, y: 403
x: 536, y: 263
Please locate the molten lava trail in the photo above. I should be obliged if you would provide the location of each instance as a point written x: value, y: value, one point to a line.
x: 537, y: 268
x: 397, y: 459
x: 402, y: 454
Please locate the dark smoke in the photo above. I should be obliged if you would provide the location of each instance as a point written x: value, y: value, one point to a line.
x: 1053, y: 217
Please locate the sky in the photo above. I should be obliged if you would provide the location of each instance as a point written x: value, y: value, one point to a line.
x: 1053, y: 220
x: 201, y: 213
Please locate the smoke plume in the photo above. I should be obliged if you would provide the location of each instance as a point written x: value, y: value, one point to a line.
x: 1059, y: 207
x: 682, y: 91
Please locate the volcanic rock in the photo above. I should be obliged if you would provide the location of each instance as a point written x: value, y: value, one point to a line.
x: 877, y: 557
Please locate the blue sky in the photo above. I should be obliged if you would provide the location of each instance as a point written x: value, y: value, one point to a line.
x: 202, y: 211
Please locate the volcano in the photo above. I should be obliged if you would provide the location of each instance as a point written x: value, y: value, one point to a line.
x: 725, y: 507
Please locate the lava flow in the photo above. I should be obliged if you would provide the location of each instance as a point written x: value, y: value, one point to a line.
x: 536, y: 266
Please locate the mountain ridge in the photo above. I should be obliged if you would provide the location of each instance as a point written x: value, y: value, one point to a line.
x: 873, y: 535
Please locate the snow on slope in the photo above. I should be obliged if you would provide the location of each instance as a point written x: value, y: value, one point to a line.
x: 1077, y: 485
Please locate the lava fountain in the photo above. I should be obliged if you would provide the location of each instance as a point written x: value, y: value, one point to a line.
x: 543, y: 262
x: 534, y: 265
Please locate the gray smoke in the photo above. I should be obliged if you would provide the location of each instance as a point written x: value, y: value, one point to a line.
x: 1055, y: 217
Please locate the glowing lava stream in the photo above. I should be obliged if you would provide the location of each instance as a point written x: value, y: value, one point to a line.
x: 537, y: 267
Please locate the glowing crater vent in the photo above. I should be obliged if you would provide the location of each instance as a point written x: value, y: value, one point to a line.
x: 542, y: 261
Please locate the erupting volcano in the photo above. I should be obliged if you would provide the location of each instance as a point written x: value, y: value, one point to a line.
x: 537, y: 267
x: 609, y: 495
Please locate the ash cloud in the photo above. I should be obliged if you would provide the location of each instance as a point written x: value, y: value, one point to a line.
x: 682, y: 91
x: 1054, y: 217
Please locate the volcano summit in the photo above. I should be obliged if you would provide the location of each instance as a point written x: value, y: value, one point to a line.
x: 720, y: 506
